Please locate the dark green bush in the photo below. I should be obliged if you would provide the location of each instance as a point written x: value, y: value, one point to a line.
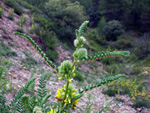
x: 93, y: 35
x: 147, y: 61
x: 133, y: 58
x: 52, y: 54
x: 101, y: 24
x: 25, y: 4
x: 123, y: 44
x: 43, y: 29
x: 66, y: 15
x: 18, y: 10
x: 112, y: 30
x: 16, y: 7
x: 110, y: 92
x: 78, y: 76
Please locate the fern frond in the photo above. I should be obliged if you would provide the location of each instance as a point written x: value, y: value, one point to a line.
x: 102, y: 55
x: 82, y: 27
x: 44, y: 100
x: 32, y: 102
x: 43, y: 55
x: 21, y: 92
x: 42, y: 92
x: 3, y: 107
x: 20, y: 107
x: 101, y: 82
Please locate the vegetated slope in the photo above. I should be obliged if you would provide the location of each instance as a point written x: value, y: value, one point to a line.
x: 28, y: 63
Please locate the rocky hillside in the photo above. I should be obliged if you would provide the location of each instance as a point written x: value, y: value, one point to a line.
x: 27, y: 63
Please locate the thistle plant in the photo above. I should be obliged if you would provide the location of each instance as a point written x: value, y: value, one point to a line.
x: 67, y: 97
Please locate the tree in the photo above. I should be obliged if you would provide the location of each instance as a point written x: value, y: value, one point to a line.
x: 66, y: 15
x: 112, y: 30
x: 101, y: 25
x: 113, y: 9
x: 145, y: 17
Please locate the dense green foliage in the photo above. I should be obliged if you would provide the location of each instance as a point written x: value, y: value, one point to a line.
x: 61, y: 18
x: 112, y: 30
x: 66, y: 15
x: 16, y: 7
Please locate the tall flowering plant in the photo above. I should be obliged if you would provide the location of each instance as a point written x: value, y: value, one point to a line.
x: 68, y: 96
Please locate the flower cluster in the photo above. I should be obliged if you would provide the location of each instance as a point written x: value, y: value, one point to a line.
x: 65, y: 70
x: 80, y: 52
x: 72, y: 92
x: 79, y: 42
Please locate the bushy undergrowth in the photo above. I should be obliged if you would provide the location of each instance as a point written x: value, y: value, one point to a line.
x: 135, y: 86
x: 11, y: 14
x: 5, y: 50
x: 112, y: 30
x: 15, y: 6
x: 48, y: 36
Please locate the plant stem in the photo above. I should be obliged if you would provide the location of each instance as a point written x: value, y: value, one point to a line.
x: 62, y: 105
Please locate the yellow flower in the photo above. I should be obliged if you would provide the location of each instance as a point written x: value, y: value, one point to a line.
x: 72, y: 92
x: 51, y: 111
x: 143, y: 94
x: 70, y: 80
x: 133, y: 98
x: 60, y: 78
x: 73, y: 74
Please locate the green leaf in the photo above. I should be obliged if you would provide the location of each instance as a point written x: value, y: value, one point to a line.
x: 44, y: 100
x: 102, y: 55
x: 38, y: 49
x: 82, y: 27
x: 101, y: 82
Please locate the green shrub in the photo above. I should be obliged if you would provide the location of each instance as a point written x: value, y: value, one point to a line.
x: 11, y: 14
x: 66, y: 16
x: 123, y: 44
x: 2, y: 78
x: 78, y: 76
x: 52, y: 54
x: 13, y: 4
x: 147, y: 61
x: 18, y: 10
x: 25, y: 4
x: 42, y: 29
x: 101, y: 25
x: 133, y: 58
x: 93, y: 35
x: 136, y: 69
x: 21, y: 22
x: 112, y: 30
x: 133, y: 87
x: 96, y: 42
